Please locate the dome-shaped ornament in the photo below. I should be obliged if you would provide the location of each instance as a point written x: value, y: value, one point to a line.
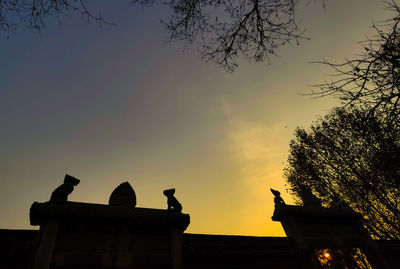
x: 123, y: 195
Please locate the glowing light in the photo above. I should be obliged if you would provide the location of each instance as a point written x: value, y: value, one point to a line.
x: 327, y: 255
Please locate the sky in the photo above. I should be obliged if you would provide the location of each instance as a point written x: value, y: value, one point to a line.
x: 118, y: 103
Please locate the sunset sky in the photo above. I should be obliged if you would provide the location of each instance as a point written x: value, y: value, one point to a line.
x: 119, y: 104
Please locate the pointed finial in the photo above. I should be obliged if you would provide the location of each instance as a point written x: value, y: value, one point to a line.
x: 278, y: 199
x: 123, y: 195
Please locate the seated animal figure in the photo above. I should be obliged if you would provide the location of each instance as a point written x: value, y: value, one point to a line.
x: 60, y: 194
x: 173, y: 204
x: 277, y: 199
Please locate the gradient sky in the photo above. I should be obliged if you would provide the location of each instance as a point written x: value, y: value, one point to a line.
x: 118, y: 104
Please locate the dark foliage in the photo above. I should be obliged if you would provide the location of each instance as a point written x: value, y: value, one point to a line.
x: 351, y: 156
x: 343, y: 259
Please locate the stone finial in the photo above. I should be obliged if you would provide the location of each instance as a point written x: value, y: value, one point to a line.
x: 123, y: 195
x: 60, y: 194
x: 173, y: 204
x: 308, y: 198
x: 277, y: 199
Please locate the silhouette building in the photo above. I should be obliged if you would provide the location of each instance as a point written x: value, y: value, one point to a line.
x: 120, y: 235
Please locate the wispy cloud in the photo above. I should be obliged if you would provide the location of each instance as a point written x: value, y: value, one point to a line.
x: 257, y: 148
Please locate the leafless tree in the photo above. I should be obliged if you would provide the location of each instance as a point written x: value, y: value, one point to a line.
x: 372, y: 78
x: 35, y: 13
x: 226, y: 29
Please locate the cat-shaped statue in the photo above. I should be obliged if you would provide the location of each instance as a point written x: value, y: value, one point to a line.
x: 173, y: 204
x: 60, y: 194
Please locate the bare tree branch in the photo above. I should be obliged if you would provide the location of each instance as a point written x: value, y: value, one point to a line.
x: 223, y: 29
x: 34, y: 13
x: 227, y: 29
x: 372, y: 78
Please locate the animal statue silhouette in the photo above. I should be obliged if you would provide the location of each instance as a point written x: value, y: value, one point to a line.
x: 173, y: 204
x: 278, y: 199
x: 60, y: 194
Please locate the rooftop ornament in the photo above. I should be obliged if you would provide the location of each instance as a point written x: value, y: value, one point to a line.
x: 308, y: 198
x: 123, y: 195
x: 173, y: 204
x: 60, y: 194
x: 278, y: 199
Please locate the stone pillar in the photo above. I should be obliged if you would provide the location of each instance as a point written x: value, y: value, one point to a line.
x: 78, y: 235
x: 327, y: 228
x: 175, y: 244
x: 45, y: 249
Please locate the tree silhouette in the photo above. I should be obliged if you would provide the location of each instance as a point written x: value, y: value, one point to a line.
x: 34, y: 13
x: 351, y: 156
x: 372, y: 78
x: 351, y: 258
x: 225, y: 29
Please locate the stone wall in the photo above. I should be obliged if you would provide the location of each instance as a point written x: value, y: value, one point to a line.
x: 17, y: 248
x: 115, y: 246
x: 80, y: 235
